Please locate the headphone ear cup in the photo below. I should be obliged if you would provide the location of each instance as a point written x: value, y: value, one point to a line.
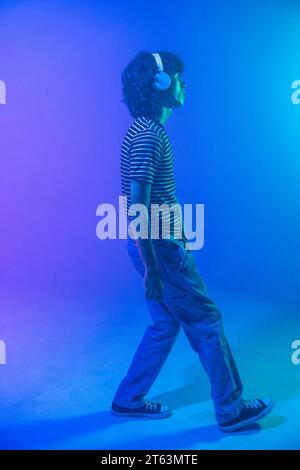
x: 162, y: 81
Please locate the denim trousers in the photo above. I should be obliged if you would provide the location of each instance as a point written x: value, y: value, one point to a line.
x: 185, y: 304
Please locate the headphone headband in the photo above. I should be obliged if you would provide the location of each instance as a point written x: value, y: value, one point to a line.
x: 158, y: 62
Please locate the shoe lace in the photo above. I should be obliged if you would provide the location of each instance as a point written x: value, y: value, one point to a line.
x: 150, y: 404
x: 252, y: 403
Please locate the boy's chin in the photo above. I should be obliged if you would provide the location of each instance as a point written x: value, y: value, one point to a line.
x: 179, y: 103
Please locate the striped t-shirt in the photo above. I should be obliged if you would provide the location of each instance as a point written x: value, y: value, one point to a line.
x: 147, y: 156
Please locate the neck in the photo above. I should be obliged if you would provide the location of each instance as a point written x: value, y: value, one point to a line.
x: 164, y: 115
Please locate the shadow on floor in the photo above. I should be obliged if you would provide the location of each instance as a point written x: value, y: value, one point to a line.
x: 45, y: 433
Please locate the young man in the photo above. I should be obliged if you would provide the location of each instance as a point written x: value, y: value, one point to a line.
x: 175, y: 293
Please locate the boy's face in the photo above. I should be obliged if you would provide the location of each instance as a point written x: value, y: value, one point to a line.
x: 179, y: 89
x: 175, y: 96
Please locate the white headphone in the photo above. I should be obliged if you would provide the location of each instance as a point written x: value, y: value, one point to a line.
x: 162, y: 80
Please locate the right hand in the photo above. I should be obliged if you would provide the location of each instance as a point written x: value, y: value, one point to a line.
x: 153, y: 284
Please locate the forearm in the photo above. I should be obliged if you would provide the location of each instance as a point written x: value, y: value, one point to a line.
x: 140, y: 194
x: 146, y: 249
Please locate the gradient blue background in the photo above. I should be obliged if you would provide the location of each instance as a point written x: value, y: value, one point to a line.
x: 236, y: 141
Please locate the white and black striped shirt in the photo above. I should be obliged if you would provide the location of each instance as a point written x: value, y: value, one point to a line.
x: 147, y: 156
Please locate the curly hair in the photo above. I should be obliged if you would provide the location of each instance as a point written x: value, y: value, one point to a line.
x: 139, y: 94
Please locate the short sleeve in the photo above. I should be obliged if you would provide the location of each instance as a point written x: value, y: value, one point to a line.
x: 145, y: 152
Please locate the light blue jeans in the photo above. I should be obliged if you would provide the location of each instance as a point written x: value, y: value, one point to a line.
x: 185, y: 304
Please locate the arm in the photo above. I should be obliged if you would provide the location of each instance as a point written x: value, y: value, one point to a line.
x: 140, y: 193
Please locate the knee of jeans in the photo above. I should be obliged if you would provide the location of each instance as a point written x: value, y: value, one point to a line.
x: 165, y: 330
x: 210, y: 323
x: 210, y: 310
x: 216, y: 319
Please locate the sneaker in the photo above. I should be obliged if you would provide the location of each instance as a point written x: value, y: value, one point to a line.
x: 253, y: 411
x: 149, y: 410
